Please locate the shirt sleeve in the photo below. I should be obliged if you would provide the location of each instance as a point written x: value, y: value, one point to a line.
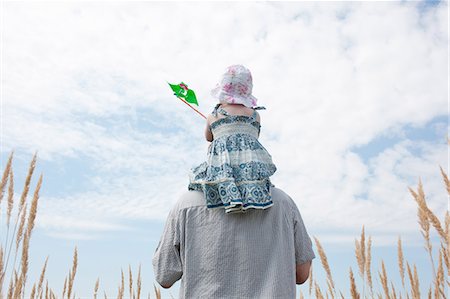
x: 166, y: 261
x: 303, y: 245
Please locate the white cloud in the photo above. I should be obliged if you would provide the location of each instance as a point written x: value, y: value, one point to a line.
x: 88, y: 80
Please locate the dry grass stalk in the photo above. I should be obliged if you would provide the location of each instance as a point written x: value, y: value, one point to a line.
x: 342, y: 296
x: 416, y: 281
x: 33, y: 209
x: 439, y: 280
x: 353, y: 290
x: 1, y: 270
x: 41, y: 278
x: 8, y: 218
x: 122, y: 284
x: 358, y: 257
x: 430, y: 215
x: 65, y: 287
x: 5, y: 176
x: 301, y: 295
x: 363, y: 251
x: 21, y: 228
x: 11, y: 287
x: 10, y: 199
x: 326, y: 266
x: 330, y: 290
x: 310, y: 279
x: 393, y: 294
x: 424, y: 224
x: 96, y: 288
x: 441, y: 268
x: 447, y: 226
x: 26, y: 187
x: 121, y: 287
x: 411, y: 280
x: 157, y: 292
x: 139, y: 283
x: 360, y: 254
x: 130, y: 281
x: 20, y: 286
x: 33, y: 291
x: 384, y: 280
x: 441, y: 291
x: 72, y: 273
x: 445, y: 258
x: 401, y: 266
x: 446, y: 180
x: 367, y: 266
x: 319, y: 294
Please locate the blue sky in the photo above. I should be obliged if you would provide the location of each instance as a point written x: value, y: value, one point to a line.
x: 361, y: 89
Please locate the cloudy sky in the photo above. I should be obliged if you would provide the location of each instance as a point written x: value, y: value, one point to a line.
x: 356, y: 97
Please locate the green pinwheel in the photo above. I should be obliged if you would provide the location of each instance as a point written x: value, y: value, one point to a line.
x: 182, y: 91
x: 186, y: 95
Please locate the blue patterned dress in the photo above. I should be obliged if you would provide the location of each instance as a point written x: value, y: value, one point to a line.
x: 236, y: 173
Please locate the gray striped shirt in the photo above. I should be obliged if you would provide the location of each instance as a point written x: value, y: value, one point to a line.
x: 244, y: 255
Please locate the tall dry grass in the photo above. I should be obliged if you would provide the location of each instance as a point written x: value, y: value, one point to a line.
x: 13, y: 272
x: 427, y: 219
x: 14, y: 280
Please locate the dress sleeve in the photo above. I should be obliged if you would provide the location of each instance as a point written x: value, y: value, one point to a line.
x: 166, y: 261
x: 302, y: 242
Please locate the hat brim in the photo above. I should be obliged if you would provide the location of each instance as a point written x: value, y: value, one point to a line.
x: 223, y: 96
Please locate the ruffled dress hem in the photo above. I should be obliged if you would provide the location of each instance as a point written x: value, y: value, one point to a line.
x: 247, y: 195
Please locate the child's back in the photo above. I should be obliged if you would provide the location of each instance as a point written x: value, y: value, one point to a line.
x: 235, y: 109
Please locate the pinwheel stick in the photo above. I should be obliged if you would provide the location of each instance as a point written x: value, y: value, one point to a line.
x: 192, y: 107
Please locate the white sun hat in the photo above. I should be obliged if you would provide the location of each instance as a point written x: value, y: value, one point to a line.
x: 235, y: 87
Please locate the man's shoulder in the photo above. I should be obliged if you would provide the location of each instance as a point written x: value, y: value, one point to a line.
x: 282, y: 197
x: 188, y: 199
x: 191, y: 198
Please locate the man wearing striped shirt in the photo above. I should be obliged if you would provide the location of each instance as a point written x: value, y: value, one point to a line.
x: 257, y: 254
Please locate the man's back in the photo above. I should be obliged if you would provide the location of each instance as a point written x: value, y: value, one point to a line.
x: 218, y: 255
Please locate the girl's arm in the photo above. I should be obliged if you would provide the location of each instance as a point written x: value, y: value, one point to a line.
x: 258, y: 119
x: 208, y: 133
